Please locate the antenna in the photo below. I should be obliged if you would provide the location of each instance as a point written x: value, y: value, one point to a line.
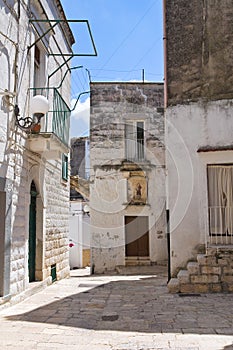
x: 143, y: 75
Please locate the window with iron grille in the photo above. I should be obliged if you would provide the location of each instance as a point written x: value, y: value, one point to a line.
x: 134, y: 141
x: 220, y: 198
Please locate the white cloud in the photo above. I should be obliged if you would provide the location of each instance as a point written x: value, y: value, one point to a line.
x: 139, y: 81
x: 80, y: 118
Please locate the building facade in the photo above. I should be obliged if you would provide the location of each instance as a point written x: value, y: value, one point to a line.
x: 34, y: 186
x: 79, y: 161
x: 199, y: 152
x: 127, y: 175
x: 79, y: 236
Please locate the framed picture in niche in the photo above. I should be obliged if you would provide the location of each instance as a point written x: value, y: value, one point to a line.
x: 137, y: 190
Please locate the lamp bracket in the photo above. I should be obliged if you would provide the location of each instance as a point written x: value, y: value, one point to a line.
x: 25, y: 123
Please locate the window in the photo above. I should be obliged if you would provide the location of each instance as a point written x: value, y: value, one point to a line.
x: 65, y: 167
x: 39, y: 68
x: 220, y: 197
x: 134, y: 141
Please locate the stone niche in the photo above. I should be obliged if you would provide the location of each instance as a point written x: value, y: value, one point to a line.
x: 137, y: 188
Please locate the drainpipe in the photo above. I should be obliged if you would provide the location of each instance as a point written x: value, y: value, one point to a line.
x: 165, y: 52
x: 19, y: 9
x: 168, y: 246
x: 165, y: 106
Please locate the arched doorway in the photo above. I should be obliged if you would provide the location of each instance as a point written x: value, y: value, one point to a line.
x: 32, y: 234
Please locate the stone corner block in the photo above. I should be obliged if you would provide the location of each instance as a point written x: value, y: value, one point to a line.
x: 173, y: 285
x: 183, y: 276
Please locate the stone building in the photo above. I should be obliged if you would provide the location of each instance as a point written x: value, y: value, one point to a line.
x: 79, y: 161
x: 127, y: 175
x: 79, y: 236
x: 34, y: 145
x: 199, y: 129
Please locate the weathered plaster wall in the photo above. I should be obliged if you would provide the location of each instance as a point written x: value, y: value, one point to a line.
x: 190, y: 128
x: 199, y: 45
x: 112, y: 105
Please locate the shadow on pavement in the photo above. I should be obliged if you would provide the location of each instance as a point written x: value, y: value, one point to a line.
x: 137, y: 305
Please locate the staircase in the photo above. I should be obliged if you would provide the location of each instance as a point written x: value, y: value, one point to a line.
x: 211, y: 272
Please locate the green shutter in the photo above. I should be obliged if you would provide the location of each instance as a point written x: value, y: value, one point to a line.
x: 65, y: 167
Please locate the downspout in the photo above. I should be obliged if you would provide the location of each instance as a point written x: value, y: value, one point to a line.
x: 168, y: 245
x: 17, y: 57
x: 18, y: 9
x: 165, y: 107
x: 165, y: 52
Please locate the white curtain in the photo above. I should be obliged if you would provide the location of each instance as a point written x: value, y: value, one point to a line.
x: 220, y: 193
x: 130, y: 142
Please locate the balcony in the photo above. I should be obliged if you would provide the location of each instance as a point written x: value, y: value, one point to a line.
x: 135, y: 150
x: 53, y: 137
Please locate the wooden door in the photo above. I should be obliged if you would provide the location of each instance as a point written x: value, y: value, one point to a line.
x: 32, y: 235
x: 137, y: 236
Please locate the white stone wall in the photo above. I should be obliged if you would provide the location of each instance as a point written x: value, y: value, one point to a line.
x: 18, y: 165
x: 188, y: 129
x: 112, y: 106
x: 57, y: 221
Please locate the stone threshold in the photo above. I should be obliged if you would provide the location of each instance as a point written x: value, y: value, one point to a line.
x: 33, y: 288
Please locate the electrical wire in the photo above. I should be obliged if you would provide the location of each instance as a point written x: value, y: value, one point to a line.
x: 147, y: 52
x: 128, y: 35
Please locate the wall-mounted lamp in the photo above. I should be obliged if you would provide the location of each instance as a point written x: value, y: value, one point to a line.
x: 39, y: 106
x: 86, y: 209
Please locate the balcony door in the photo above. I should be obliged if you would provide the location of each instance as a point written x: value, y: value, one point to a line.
x: 134, y: 140
x: 32, y: 235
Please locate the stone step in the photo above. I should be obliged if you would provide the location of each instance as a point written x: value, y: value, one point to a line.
x: 173, y: 285
x: 183, y: 277
x: 137, y: 262
x: 141, y: 270
x: 193, y: 268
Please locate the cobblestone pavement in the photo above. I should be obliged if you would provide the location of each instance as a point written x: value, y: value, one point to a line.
x: 120, y: 313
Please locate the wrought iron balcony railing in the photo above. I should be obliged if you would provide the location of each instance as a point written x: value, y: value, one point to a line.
x: 57, y: 120
x: 221, y: 224
x: 135, y: 150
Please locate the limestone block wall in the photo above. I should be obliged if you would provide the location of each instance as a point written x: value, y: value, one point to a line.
x: 113, y: 105
x: 18, y: 165
x: 52, y: 224
x: 56, y: 222
x: 19, y: 219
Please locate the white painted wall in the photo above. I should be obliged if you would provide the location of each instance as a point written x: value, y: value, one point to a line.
x: 189, y: 128
x: 79, y: 234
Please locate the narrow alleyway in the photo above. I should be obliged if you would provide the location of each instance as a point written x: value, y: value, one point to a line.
x: 117, y: 313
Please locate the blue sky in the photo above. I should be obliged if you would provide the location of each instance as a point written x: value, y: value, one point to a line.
x: 128, y: 36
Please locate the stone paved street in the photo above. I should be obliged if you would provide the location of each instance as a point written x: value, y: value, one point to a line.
x: 117, y: 312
